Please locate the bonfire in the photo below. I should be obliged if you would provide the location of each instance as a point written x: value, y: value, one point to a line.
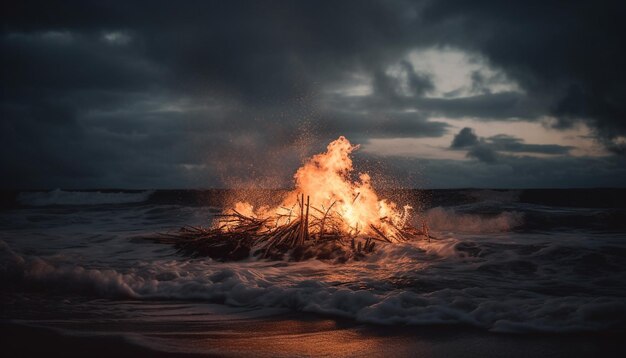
x: 327, y: 216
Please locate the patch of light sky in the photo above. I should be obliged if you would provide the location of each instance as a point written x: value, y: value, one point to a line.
x: 451, y: 71
x: 578, y: 137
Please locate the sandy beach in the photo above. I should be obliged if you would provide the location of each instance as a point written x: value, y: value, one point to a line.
x: 307, y: 337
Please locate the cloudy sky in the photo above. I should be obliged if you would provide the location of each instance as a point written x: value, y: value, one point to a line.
x: 197, y: 94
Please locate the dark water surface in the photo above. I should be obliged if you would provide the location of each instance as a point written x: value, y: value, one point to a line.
x: 540, y: 269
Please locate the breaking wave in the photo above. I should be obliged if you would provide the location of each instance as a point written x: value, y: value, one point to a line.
x: 448, y: 219
x: 62, y: 197
x: 312, y: 287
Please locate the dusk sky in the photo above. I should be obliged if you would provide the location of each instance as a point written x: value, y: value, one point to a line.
x: 201, y: 94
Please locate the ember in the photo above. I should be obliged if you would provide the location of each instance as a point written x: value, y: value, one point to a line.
x: 326, y: 216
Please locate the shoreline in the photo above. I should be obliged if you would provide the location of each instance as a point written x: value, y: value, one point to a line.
x: 308, y: 336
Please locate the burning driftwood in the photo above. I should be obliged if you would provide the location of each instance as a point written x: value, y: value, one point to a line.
x: 342, y: 218
x: 305, y: 233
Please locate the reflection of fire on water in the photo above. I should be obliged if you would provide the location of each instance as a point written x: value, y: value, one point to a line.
x: 327, y: 215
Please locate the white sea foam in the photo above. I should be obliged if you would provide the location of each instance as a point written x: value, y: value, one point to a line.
x: 310, y: 287
x: 448, y: 219
x: 62, y: 197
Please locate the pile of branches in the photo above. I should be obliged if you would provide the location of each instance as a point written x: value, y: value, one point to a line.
x: 311, y: 233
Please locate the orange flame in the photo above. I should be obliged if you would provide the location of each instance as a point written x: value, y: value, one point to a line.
x: 325, y: 178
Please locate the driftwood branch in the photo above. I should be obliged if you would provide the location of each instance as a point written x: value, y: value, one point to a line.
x: 237, y: 236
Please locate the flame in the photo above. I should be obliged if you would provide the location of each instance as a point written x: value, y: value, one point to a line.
x: 325, y: 179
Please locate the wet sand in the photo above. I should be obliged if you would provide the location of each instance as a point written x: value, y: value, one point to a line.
x: 290, y: 337
x: 25, y: 341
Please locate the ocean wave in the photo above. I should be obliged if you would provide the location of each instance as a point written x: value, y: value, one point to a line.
x: 303, y: 287
x: 496, y: 196
x: 62, y: 197
x: 448, y: 219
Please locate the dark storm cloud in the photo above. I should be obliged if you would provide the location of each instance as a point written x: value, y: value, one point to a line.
x: 380, y: 125
x: 509, y: 143
x: 491, y: 149
x: 571, y: 51
x: 168, y: 94
x: 510, y: 106
x: 484, y: 153
x: 262, y: 52
x: 497, y: 106
x: 465, y: 138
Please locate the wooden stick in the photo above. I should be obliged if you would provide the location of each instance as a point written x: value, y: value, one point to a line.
x: 380, y: 233
x: 301, y: 233
x: 324, y: 218
x: 306, y: 221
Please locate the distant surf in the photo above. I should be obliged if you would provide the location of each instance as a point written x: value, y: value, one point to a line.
x: 63, y: 197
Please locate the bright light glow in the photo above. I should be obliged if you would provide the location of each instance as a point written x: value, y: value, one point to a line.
x: 326, y: 180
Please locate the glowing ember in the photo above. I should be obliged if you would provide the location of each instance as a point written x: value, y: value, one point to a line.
x: 334, y: 202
